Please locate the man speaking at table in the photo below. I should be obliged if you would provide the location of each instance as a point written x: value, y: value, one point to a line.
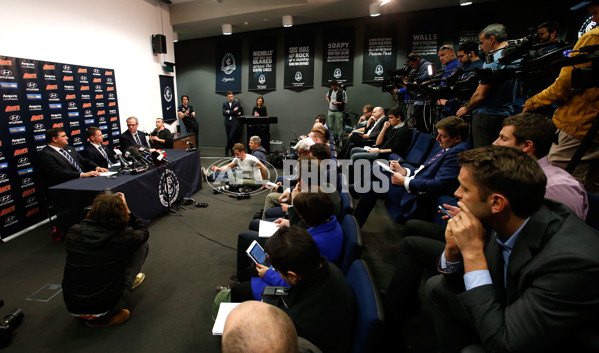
x: 132, y: 137
x: 59, y: 162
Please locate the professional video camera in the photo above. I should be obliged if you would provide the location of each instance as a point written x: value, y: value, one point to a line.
x: 8, y: 324
x: 528, y: 60
x: 395, y: 80
x: 460, y: 84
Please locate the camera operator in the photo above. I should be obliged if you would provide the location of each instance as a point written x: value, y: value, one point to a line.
x: 419, y: 73
x: 576, y: 112
x: 547, y: 32
x: 493, y: 100
x: 450, y: 63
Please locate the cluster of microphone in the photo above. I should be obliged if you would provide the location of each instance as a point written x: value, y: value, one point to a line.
x: 138, y: 158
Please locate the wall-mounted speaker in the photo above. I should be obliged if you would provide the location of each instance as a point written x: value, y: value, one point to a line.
x: 158, y: 44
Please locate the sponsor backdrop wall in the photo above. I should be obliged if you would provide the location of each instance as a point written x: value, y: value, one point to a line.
x: 93, y: 35
x: 333, y: 42
x: 34, y: 97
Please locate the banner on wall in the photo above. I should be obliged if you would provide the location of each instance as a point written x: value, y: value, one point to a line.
x: 167, y: 96
x: 263, y: 64
x: 338, y: 56
x: 380, y: 56
x: 299, y: 61
x: 228, y: 67
x: 36, y: 96
x: 426, y: 44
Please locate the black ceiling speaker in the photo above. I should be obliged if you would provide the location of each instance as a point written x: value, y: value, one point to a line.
x: 158, y: 44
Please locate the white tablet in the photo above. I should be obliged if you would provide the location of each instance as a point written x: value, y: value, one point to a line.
x: 256, y: 253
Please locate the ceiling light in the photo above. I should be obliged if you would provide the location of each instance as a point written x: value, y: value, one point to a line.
x: 385, y: 2
x: 375, y: 10
x: 287, y: 21
x: 175, y: 37
x: 227, y: 29
x: 465, y: 2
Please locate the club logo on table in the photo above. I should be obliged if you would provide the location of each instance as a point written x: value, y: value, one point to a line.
x: 168, y: 94
x: 298, y: 76
x: 378, y: 70
x: 262, y: 79
x: 228, y: 64
x: 337, y: 73
x: 168, y: 188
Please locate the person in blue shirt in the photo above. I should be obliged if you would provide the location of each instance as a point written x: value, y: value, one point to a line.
x: 421, y: 70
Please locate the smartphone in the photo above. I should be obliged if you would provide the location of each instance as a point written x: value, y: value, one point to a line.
x: 256, y: 253
x: 444, y: 210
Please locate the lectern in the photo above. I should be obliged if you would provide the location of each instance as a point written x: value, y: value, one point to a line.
x: 259, y: 126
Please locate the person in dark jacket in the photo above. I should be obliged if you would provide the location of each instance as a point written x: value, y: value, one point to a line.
x: 105, y: 253
x: 258, y: 151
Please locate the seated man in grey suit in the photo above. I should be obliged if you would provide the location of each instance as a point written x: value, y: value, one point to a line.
x: 59, y: 162
x: 519, y: 271
x: 96, y: 152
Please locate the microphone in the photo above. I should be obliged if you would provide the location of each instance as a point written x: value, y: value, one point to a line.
x: 119, y: 156
x: 159, y: 157
x: 147, y: 153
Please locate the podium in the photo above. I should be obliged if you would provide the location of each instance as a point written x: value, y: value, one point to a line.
x: 259, y: 126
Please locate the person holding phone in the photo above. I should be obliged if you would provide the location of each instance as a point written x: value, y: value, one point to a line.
x: 188, y: 115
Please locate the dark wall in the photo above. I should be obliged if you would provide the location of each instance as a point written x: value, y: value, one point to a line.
x: 195, y: 61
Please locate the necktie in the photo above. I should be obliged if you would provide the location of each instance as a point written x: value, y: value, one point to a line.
x: 71, y: 160
x: 505, y: 253
x: 137, y: 140
x: 430, y: 161
x: 103, y: 153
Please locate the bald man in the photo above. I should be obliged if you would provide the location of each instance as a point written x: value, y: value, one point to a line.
x: 256, y: 327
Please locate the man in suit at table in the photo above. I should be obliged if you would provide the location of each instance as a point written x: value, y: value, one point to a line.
x: 132, y: 137
x: 519, y: 271
x: 96, y: 152
x: 59, y: 162
x: 411, y: 186
x: 231, y: 111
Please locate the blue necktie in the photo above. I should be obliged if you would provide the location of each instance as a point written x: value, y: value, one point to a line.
x: 137, y: 140
x: 71, y: 160
x: 103, y: 153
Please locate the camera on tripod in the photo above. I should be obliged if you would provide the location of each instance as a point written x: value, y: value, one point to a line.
x: 8, y: 324
x: 395, y: 80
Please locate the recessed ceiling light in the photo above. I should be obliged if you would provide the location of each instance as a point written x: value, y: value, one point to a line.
x: 465, y: 2
x: 375, y: 10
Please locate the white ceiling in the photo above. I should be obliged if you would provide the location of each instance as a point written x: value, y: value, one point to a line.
x: 204, y: 18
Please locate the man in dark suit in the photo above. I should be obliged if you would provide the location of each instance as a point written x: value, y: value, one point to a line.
x: 520, y: 272
x: 411, y: 186
x: 132, y: 137
x: 365, y: 136
x: 59, y: 162
x: 96, y: 152
x: 231, y: 111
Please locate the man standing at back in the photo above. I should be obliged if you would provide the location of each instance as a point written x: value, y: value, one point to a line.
x: 337, y: 99
x: 231, y: 111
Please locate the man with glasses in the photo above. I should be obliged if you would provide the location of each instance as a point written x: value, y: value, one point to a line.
x: 132, y: 137
x: 494, y: 99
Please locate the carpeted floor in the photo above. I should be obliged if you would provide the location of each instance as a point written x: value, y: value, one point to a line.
x: 171, y: 311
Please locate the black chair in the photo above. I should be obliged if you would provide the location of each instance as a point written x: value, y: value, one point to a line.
x: 369, y: 309
x: 352, y: 242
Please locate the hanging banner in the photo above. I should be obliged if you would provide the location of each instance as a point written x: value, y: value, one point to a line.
x: 380, y: 56
x: 228, y: 67
x: 338, y: 56
x: 167, y: 95
x: 263, y: 64
x: 299, y: 60
x: 36, y: 96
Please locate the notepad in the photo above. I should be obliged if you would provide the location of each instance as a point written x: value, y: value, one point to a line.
x: 385, y: 167
x: 223, y: 312
x: 267, y: 229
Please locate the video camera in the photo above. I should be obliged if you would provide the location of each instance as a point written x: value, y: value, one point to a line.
x: 460, y: 84
x: 8, y: 324
x: 395, y: 80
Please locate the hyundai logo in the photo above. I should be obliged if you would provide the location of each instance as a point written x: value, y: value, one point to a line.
x: 53, y: 95
x: 10, y: 219
x: 26, y: 181
x: 88, y: 112
x: 77, y: 140
x: 96, y: 71
x: 111, y: 95
x: 38, y: 126
x: 83, y: 78
x: 31, y: 84
x: 23, y: 160
x: 30, y: 201
x: 5, y: 198
x: 66, y: 68
x: 6, y: 72
x: 72, y: 105
x: 3, y: 176
x: 98, y: 87
x: 14, y: 118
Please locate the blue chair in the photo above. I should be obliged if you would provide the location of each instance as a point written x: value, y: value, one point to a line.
x: 347, y: 202
x: 421, y: 149
x: 369, y: 308
x: 593, y: 214
x: 352, y: 242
